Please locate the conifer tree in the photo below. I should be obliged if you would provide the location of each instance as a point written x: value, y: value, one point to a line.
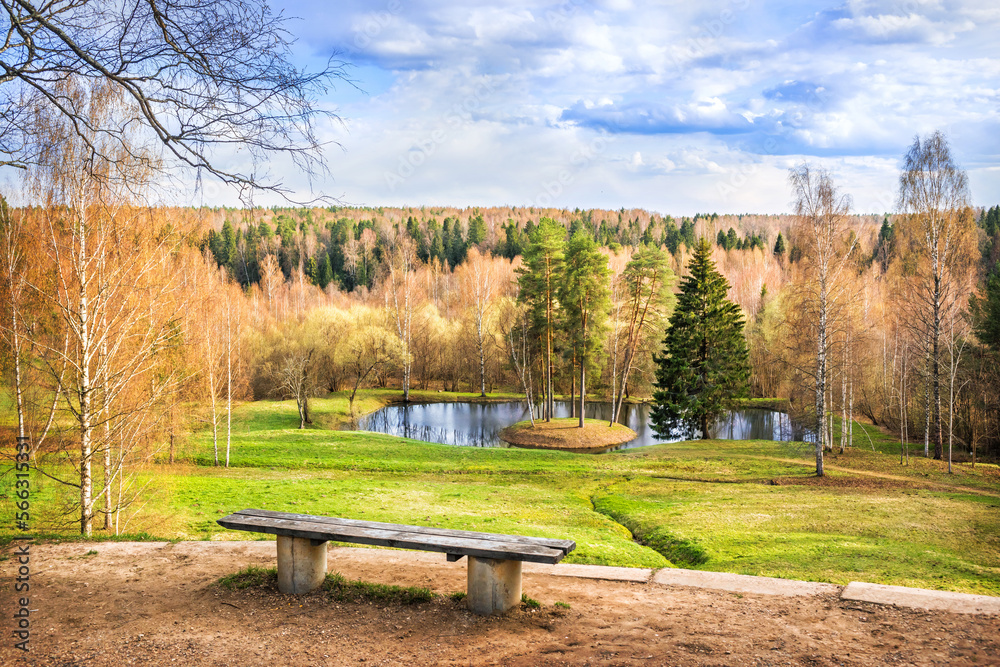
x: 985, y: 311
x: 732, y: 240
x: 312, y: 271
x: 779, y: 246
x: 477, y: 231
x: 584, y: 295
x: 539, y: 279
x: 705, y: 364
x: 325, y: 275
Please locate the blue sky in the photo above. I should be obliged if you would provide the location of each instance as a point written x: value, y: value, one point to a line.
x: 676, y: 107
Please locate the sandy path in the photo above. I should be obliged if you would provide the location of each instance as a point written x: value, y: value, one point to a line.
x: 156, y: 604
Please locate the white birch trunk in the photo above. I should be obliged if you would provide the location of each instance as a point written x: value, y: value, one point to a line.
x: 85, y: 353
x: 229, y: 376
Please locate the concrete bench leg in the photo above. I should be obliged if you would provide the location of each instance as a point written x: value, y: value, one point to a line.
x: 494, y: 585
x: 301, y: 564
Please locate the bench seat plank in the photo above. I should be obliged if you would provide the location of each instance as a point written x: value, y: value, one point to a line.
x: 564, y: 545
x: 484, y: 545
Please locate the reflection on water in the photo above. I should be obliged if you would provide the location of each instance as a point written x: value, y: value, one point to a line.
x: 479, y: 424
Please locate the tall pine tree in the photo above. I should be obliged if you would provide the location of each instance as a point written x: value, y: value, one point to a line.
x: 705, y: 365
x: 538, y: 278
x: 584, y: 295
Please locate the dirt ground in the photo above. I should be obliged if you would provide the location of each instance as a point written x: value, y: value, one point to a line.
x: 158, y: 604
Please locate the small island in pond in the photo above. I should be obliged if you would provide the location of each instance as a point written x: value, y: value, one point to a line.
x: 566, y: 434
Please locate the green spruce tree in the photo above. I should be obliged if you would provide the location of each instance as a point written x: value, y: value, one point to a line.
x: 477, y: 230
x: 779, y: 246
x: 732, y: 239
x: 705, y: 365
x: 325, y: 274
x: 985, y: 311
x: 312, y: 270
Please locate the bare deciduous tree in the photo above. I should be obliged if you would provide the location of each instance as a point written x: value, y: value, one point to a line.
x: 399, y: 298
x: 369, y: 349
x: 479, y: 280
x: 516, y: 331
x: 822, y: 214
x: 205, y: 76
x: 934, y: 197
x: 642, y: 303
x: 116, y: 307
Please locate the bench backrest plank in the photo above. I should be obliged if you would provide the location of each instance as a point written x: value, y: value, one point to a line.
x: 443, y: 540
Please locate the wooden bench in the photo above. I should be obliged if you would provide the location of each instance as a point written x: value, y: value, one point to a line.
x: 494, y: 575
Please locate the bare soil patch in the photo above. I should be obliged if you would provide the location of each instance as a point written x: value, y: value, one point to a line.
x: 595, y: 435
x: 158, y: 604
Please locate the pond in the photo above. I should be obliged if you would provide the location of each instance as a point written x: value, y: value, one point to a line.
x: 479, y: 424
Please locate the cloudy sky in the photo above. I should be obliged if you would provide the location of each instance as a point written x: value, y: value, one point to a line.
x: 677, y: 107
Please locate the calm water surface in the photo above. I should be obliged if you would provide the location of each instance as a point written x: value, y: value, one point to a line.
x: 479, y: 424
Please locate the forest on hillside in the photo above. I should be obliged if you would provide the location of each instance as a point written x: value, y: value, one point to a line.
x: 346, y: 254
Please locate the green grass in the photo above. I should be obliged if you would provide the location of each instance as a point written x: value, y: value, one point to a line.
x: 252, y: 576
x: 678, y: 550
x: 344, y: 590
x: 751, y: 507
x: 8, y: 411
x: 336, y: 587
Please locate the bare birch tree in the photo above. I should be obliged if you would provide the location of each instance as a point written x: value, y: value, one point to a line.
x: 515, y: 328
x: 210, y: 342
x: 112, y: 295
x: 479, y: 280
x: 399, y: 298
x: 956, y: 342
x: 13, y: 268
x: 934, y: 198
x: 235, y: 377
x: 822, y: 218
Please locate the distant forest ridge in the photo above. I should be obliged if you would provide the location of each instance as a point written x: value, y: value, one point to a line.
x: 342, y: 245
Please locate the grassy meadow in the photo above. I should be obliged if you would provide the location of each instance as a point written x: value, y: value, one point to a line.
x: 750, y: 507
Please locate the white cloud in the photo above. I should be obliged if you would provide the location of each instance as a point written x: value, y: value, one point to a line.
x: 911, y: 27
x: 680, y: 98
